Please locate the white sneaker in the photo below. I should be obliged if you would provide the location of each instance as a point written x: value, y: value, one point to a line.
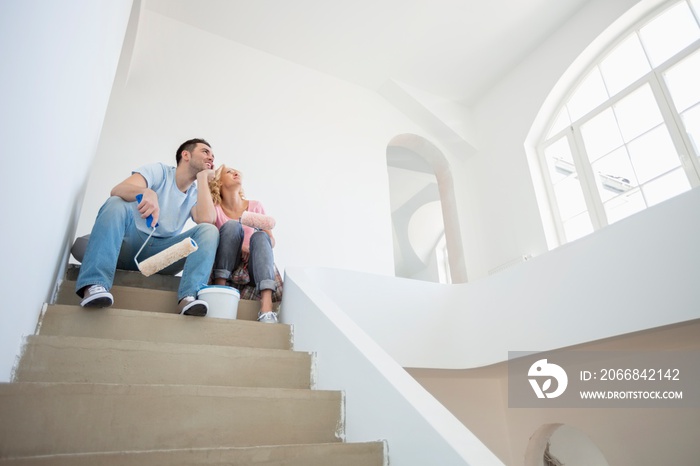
x: 97, y: 296
x: 267, y: 317
x: 189, y: 306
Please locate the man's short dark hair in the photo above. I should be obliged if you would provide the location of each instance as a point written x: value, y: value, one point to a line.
x: 189, y: 146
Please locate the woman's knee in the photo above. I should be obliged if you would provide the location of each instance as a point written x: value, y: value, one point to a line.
x: 231, y: 229
x: 260, y: 239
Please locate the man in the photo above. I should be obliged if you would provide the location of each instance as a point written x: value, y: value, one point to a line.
x: 171, y: 197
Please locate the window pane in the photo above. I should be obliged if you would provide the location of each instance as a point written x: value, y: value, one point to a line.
x: 666, y: 187
x: 624, y: 206
x: 625, y: 64
x: 682, y: 81
x: 559, y: 161
x: 560, y: 123
x: 567, y: 188
x: 601, y: 135
x: 588, y: 95
x: 637, y: 113
x: 653, y: 154
x: 614, y: 174
x: 569, y: 198
x: 578, y: 226
x: 669, y: 33
x: 691, y: 121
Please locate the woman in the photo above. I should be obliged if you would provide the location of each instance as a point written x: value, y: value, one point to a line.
x: 240, y: 244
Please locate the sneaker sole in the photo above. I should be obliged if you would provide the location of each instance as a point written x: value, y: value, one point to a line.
x: 98, y: 302
x: 198, y: 310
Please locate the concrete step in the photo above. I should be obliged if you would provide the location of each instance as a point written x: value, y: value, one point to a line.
x: 325, y: 454
x: 67, y: 418
x: 137, y: 384
x: 144, y: 299
x: 99, y: 360
x: 132, y: 278
x: 132, y: 290
x: 114, y: 323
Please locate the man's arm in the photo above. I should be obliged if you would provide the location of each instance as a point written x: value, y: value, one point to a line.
x: 136, y: 184
x: 203, y: 211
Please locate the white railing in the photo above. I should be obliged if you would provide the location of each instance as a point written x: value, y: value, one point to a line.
x: 382, y: 401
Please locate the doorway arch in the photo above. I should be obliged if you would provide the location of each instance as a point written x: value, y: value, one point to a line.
x: 417, y: 154
x: 561, y: 444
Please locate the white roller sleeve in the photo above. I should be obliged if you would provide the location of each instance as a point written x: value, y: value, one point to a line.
x: 168, y: 256
x: 259, y: 221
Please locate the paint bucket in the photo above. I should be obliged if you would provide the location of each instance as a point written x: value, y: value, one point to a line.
x: 222, y: 301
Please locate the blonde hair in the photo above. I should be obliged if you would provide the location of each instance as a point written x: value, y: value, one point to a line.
x: 215, y: 186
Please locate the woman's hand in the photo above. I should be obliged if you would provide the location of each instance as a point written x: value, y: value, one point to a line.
x: 245, y: 252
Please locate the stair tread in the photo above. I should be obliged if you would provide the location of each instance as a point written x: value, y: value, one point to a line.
x: 133, y: 278
x: 117, y: 323
x: 45, y: 418
x: 69, y: 341
x: 313, y: 454
x: 84, y: 359
x: 19, y: 388
x: 145, y: 299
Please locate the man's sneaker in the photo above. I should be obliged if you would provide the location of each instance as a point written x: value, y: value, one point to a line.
x: 189, y: 306
x: 267, y: 317
x: 97, y: 296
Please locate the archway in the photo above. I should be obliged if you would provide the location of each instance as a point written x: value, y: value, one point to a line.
x: 560, y: 444
x: 427, y: 237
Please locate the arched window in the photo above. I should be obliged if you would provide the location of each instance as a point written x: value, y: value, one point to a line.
x: 628, y: 135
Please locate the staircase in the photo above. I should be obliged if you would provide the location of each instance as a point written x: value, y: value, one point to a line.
x: 136, y: 384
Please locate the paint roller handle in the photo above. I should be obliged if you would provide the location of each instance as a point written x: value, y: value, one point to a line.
x: 149, y: 220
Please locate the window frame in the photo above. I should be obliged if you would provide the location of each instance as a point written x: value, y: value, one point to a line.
x: 671, y: 119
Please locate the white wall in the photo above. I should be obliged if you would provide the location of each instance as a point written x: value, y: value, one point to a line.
x: 312, y: 143
x: 59, y: 60
x: 508, y: 218
x: 312, y: 148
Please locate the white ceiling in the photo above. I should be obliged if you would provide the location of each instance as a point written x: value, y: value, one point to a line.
x: 455, y: 49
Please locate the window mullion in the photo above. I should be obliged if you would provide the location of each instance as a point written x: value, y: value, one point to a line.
x: 596, y: 210
x: 549, y: 188
x: 674, y: 124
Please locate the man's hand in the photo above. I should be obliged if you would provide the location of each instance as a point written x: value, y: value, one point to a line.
x: 149, y: 205
x: 205, y: 176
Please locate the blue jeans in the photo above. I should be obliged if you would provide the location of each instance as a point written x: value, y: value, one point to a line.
x: 261, y: 262
x: 115, y: 240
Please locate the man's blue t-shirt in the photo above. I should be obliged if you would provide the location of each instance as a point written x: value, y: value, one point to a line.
x: 175, y: 206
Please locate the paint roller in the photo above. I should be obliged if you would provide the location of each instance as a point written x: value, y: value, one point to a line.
x: 166, y: 257
x: 257, y: 221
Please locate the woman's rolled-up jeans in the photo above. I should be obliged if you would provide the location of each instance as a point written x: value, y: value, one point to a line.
x: 261, y: 261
